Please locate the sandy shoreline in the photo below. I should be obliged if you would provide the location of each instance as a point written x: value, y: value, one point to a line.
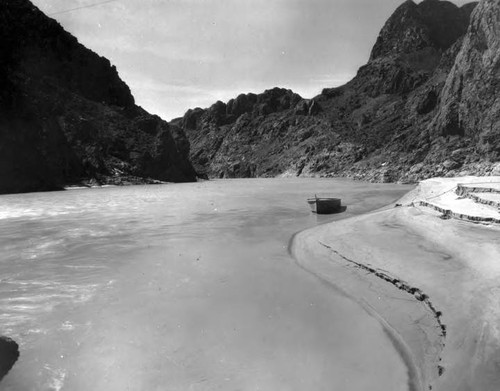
x: 432, y: 282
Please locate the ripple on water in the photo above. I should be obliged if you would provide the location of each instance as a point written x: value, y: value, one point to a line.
x: 23, y: 301
x: 56, y: 378
x: 213, y: 266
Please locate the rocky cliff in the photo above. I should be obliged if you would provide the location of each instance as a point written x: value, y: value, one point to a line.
x: 67, y: 117
x: 470, y: 100
x: 425, y: 104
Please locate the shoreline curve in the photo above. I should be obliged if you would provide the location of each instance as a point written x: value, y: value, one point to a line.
x: 451, y: 280
x: 397, y: 341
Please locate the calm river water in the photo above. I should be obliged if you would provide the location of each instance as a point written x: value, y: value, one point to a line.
x: 183, y: 287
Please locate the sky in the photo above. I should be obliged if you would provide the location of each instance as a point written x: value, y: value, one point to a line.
x: 180, y: 54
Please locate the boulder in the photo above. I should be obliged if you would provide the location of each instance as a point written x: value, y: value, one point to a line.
x: 9, y: 353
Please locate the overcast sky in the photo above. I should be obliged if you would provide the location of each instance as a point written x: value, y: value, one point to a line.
x: 180, y: 54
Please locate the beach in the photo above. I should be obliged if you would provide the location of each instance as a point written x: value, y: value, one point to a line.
x: 431, y: 280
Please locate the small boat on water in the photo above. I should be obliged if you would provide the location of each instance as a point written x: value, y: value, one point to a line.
x: 324, y: 205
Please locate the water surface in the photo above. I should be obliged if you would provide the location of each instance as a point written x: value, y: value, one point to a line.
x: 183, y: 287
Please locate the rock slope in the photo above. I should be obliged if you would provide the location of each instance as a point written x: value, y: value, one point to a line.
x: 425, y: 104
x: 470, y: 102
x: 67, y: 117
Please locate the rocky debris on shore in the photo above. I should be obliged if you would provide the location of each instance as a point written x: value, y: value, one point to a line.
x: 9, y: 353
x: 426, y: 104
x: 66, y: 116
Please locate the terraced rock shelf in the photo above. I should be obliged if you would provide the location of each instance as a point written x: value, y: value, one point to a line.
x: 475, y: 202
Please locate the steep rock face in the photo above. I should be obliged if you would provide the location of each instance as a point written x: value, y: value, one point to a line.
x: 219, y: 137
x: 470, y: 102
x: 67, y: 117
x: 430, y: 24
x: 380, y: 126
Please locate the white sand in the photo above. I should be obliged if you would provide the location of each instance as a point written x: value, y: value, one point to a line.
x: 441, y: 192
x: 451, y: 339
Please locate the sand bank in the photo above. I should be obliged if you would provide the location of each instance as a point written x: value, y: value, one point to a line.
x: 433, y: 283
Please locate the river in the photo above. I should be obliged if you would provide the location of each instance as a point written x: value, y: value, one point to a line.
x: 184, y: 287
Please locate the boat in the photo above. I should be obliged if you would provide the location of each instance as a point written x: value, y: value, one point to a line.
x: 324, y: 205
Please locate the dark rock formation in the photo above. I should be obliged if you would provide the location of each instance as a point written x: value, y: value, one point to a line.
x: 221, y: 130
x: 9, y: 353
x: 425, y: 104
x: 67, y: 117
x: 412, y: 28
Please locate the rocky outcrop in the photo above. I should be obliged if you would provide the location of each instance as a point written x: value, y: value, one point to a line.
x: 415, y: 110
x: 9, y: 353
x: 219, y: 137
x: 470, y: 102
x: 67, y: 117
x: 412, y: 28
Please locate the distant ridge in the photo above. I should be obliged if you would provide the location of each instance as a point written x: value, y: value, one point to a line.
x: 66, y: 117
x: 425, y: 104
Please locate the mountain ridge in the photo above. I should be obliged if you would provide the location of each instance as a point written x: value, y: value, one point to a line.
x: 423, y: 105
x: 383, y: 125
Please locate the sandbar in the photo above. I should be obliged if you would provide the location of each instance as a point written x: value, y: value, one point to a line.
x: 431, y: 278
